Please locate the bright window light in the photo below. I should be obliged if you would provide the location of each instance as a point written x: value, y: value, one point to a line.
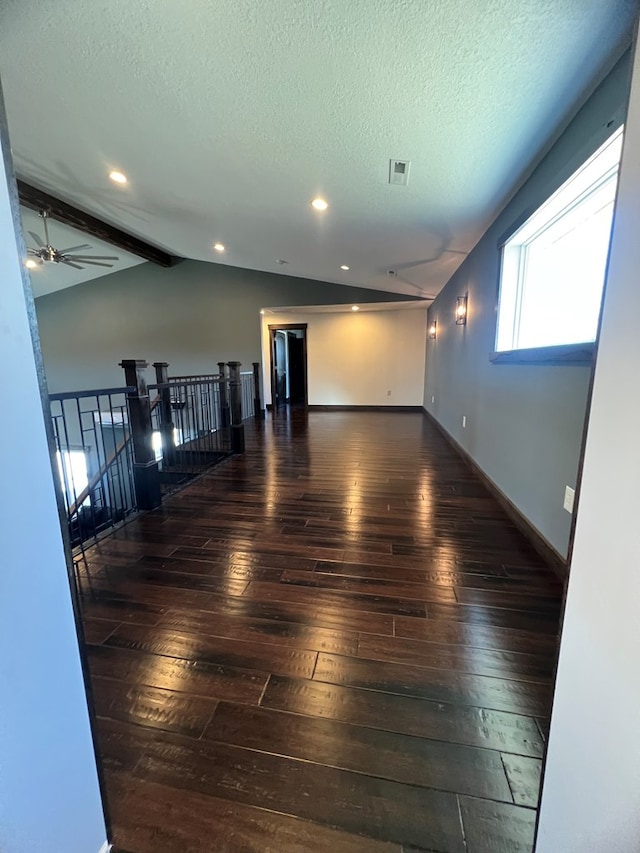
x: 553, y: 266
x: 156, y: 441
x: 72, y: 470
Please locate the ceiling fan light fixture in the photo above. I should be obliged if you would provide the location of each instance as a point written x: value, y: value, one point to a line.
x: 30, y: 264
x: 73, y: 256
x: 118, y: 177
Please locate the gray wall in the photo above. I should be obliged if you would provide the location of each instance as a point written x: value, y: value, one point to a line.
x: 591, y: 789
x: 191, y: 315
x: 524, y: 422
x: 49, y: 796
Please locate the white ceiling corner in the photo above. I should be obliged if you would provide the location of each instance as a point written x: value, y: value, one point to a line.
x: 229, y: 117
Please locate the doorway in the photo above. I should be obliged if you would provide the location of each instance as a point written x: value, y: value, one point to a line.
x: 288, y: 347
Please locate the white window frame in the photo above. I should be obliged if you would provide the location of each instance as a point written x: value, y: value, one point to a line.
x: 594, y: 180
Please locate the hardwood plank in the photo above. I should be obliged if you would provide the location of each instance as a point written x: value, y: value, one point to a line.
x: 101, y: 606
x: 168, y: 820
x: 503, y: 664
x: 477, y: 635
x: 120, y: 745
x: 497, y: 694
x: 512, y: 600
x: 385, y: 755
x: 524, y: 779
x: 496, y: 827
x: 245, y: 556
x: 371, y: 586
x: 336, y: 599
x: 218, y: 651
x: 152, y: 707
x: 480, y: 727
x: 386, y: 811
x: 96, y: 631
x: 500, y: 617
x: 197, y: 679
x: 267, y: 630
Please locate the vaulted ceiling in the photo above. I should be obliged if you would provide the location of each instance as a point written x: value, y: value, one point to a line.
x: 228, y: 117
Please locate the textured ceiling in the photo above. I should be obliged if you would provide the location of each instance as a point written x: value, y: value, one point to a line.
x: 228, y: 117
x: 50, y: 276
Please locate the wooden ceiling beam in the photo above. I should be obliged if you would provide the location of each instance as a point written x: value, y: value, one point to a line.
x: 62, y: 211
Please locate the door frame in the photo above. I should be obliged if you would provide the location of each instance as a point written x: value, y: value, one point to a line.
x: 286, y: 327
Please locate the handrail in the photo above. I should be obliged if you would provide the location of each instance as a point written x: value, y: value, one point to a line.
x: 159, y: 386
x: 96, y: 392
x: 198, y: 376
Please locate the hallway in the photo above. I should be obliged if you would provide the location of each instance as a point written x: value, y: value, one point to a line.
x: 336, y: 643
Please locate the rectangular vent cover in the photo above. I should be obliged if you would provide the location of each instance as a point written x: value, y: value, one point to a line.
x: 399, y: 172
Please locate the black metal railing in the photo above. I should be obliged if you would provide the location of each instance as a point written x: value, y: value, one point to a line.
x: 248, y: 393
x: 94, y: 459
x: 190, y: 429
x: 119, y: 449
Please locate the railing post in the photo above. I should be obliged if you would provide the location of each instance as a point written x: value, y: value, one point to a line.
x: 258, y: 411
x: 166, y: 417
x: 235, y: 395
x: 146, y: 476
x: 225, y: 414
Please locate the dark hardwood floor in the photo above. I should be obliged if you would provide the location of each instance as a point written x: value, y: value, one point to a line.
x: 337, y: 643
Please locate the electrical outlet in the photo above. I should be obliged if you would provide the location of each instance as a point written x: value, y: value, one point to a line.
x: 464, y: 422
x: 389, y: 393
x: 569, y: 497
x: 433, y: 399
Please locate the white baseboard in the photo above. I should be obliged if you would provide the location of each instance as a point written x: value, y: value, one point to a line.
x: 105, y: 848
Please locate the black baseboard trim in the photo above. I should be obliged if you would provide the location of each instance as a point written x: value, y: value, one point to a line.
x: 366, y: 408
x: 546, y: 550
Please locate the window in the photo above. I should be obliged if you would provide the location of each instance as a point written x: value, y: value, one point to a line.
x: 553, y: 266
x: 73, y: 473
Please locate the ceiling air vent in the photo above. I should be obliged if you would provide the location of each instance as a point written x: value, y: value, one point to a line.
x: 399, y: 172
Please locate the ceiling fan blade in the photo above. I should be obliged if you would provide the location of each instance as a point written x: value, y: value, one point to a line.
x: 38, y: 240
x: 90, y: 263
x: 74, y: 249
x: 94, y: 257
x: 70, y: 264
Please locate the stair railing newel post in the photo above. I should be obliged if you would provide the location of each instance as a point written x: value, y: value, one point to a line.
x: 166, y: 416
x: 146, y: 476
x: 258, y: 411
x: 235, y: 400
x: 225, y: 414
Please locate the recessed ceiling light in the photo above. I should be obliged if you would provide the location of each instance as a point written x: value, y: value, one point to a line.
x: 319, y: 204
x: 281, y: 261
x: 117, y: 177
x: 262, y: 311
x: 355, y: 307
x: 30, y: 265
x: 344, y: 267
x: 218, y: 247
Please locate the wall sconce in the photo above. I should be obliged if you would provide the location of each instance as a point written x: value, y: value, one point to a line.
x: 432, y: 330
x: 461, y: 311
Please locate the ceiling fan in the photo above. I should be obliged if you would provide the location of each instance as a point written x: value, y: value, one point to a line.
x: 69, y: 256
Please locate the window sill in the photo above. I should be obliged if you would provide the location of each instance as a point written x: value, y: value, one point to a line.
x: 568, y: 354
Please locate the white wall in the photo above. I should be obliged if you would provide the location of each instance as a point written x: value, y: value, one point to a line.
x: 49, y: 797
x: 356, y: 358
x: 591, y: 793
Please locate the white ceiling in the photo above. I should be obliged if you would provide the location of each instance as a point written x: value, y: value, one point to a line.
x: 50, y: 277
x: 228, y: 117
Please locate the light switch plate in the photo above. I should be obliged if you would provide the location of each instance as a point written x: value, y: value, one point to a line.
x: 569, y: 497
